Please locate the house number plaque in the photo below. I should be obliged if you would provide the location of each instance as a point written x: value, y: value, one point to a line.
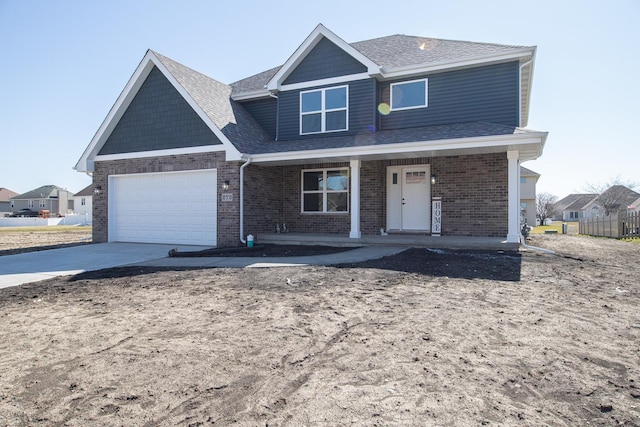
x: 227, y: 197
x: 436, y: 216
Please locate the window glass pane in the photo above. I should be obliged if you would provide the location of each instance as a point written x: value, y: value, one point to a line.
x: 335, y: 98
x: 311, y: 101
x: 336, y: 120
x: 336, y: 202
x: 312, y: 181
x: 312, y: 202
x: 337, y: 180
x: 311, y: 123
x: 408, y: 95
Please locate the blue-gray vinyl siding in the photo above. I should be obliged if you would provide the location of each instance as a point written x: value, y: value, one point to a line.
x: 324, y: 61
x: 158, y: 118
x: 487, y: 93
x: 362, y: 111
x: 264, y: 112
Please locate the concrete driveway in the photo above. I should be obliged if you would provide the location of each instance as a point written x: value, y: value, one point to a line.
x: 35, y: 266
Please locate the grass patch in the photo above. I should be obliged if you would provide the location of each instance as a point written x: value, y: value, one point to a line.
x: 46, y: 229
x: 572, y: 227
x: 634, y: 240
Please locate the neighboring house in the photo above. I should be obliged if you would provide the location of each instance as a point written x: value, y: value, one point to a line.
x: 575, y: 207
x: 578, y: 206
x: 342, y: 138
x: 634, y: 206
x: 48, y: 197
x: 5, y: 201
x: 528, y: 181
x: 83, y: 203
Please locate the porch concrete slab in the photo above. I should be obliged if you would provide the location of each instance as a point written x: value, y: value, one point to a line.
x: 35, y: 266
x: 355, y: 255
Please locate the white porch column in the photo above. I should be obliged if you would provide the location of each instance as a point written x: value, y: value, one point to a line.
x: 355, y: 199
x: 513, y: 234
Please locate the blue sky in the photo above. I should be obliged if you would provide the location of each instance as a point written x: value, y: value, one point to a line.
x: 64, y: 63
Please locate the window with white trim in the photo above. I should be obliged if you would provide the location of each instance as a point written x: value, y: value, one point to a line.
x: 42, y: 204
x: 30, y: 204
x: 13, y: 204
x: 408, y: 95
x: 324, y: 110
x: 83, y: 201
x: 325, y: 190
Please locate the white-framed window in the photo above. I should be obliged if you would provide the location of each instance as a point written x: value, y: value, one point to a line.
x: 83, y: 201
x: 30, y: 204
x: 411, y: 94
x: 325, y: 190
x: 13, y: 204
x: 324, y: 110
x: 42, y: 203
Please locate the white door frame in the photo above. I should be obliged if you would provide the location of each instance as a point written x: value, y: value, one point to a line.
x: 400, y: 205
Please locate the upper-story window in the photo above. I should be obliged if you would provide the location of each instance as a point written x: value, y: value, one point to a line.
x: 407, y: 95
x: 324, y: 110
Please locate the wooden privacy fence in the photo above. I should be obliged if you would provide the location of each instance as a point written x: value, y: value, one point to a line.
x: 616, y: 225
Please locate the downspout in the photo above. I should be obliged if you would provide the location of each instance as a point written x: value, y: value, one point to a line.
x: 277, y: 113
x: 242, y: 239
x: 520, y: 90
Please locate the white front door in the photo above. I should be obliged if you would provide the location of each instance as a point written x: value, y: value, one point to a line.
x: 408, y: 194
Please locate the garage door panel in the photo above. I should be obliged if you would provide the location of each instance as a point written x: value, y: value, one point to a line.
x: 174, y: 208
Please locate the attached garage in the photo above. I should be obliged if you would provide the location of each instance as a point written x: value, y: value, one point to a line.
x: 167, y: 207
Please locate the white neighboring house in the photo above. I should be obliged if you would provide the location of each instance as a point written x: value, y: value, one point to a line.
x: 83, y: 203
x: 528, y: 181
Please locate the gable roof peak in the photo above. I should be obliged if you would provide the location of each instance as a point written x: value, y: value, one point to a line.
x: 320, y: 32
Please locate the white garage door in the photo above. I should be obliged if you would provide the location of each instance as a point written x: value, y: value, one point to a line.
x: 173, y: 207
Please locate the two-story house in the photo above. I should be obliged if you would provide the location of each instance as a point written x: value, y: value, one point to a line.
x: 528, y: 181
x: 343, y: 138
x: 47, y: 197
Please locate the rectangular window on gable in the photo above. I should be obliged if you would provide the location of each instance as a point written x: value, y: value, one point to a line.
x: 324, y: 110
x: 408, y: 95
x: 325, y: 190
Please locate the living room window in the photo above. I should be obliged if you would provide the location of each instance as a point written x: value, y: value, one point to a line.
x: 325, y: 190
x: 324, y: 110
x: 408, y: 95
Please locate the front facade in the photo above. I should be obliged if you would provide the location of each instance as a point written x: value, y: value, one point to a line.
x: 346, y: 139
x: 48, y: 197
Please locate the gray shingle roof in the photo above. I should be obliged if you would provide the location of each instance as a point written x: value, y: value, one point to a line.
x: 369, y: 138
x: 85, y: 192
x: 575, y: 202
x: 214, y: 98
x: 398, y: 51
x: 6, y: 194
x: 44, y: 192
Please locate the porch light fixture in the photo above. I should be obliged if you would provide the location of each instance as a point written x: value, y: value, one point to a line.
x: 433, y: 180
x: 225, y: 185
x: 97, y: 190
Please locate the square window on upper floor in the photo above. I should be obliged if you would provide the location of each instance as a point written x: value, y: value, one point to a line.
x: 324, y: 110
x: 408, y: 95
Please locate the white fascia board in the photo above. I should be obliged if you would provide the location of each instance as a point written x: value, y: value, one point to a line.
x: 309, y: 43
x: 507, y: 141
x: 256, y: 94
x: 159, y: 153
x: 392, y: 73
x: 325, y: 82
x: 86, y: 163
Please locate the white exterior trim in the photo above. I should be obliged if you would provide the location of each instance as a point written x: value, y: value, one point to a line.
x: 160, y: 153
x: 397, y: 72
x: 462, y: 144
x: 275, y: 83
x: 426, y: 94
x: 324, y: 82
x: 323, y: 110
x: 513, y: 233
x: 85, y: 163
x: 355, y: 199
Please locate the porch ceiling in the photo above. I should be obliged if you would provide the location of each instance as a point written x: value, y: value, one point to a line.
x: 529, y: 144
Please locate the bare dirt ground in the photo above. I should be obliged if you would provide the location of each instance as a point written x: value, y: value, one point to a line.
x: 29, y: 239
x: 421, y: 338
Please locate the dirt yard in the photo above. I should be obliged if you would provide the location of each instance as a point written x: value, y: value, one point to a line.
x: 423, y: 338
x: 15, y: 240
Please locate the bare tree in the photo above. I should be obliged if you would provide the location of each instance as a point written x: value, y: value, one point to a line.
x: 615, y: 194
x: 545, y: 206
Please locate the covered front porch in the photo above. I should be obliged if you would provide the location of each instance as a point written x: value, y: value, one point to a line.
x: 412, y: 240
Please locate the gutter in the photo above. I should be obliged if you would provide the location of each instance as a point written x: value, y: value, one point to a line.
x: 242, y: 239
x: 529, y: 62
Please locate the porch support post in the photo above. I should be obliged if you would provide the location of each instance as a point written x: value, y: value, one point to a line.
x: 513, y: 234
x: 355, y: 199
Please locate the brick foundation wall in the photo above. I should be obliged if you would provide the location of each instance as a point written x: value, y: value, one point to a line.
x: 228, y: 212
